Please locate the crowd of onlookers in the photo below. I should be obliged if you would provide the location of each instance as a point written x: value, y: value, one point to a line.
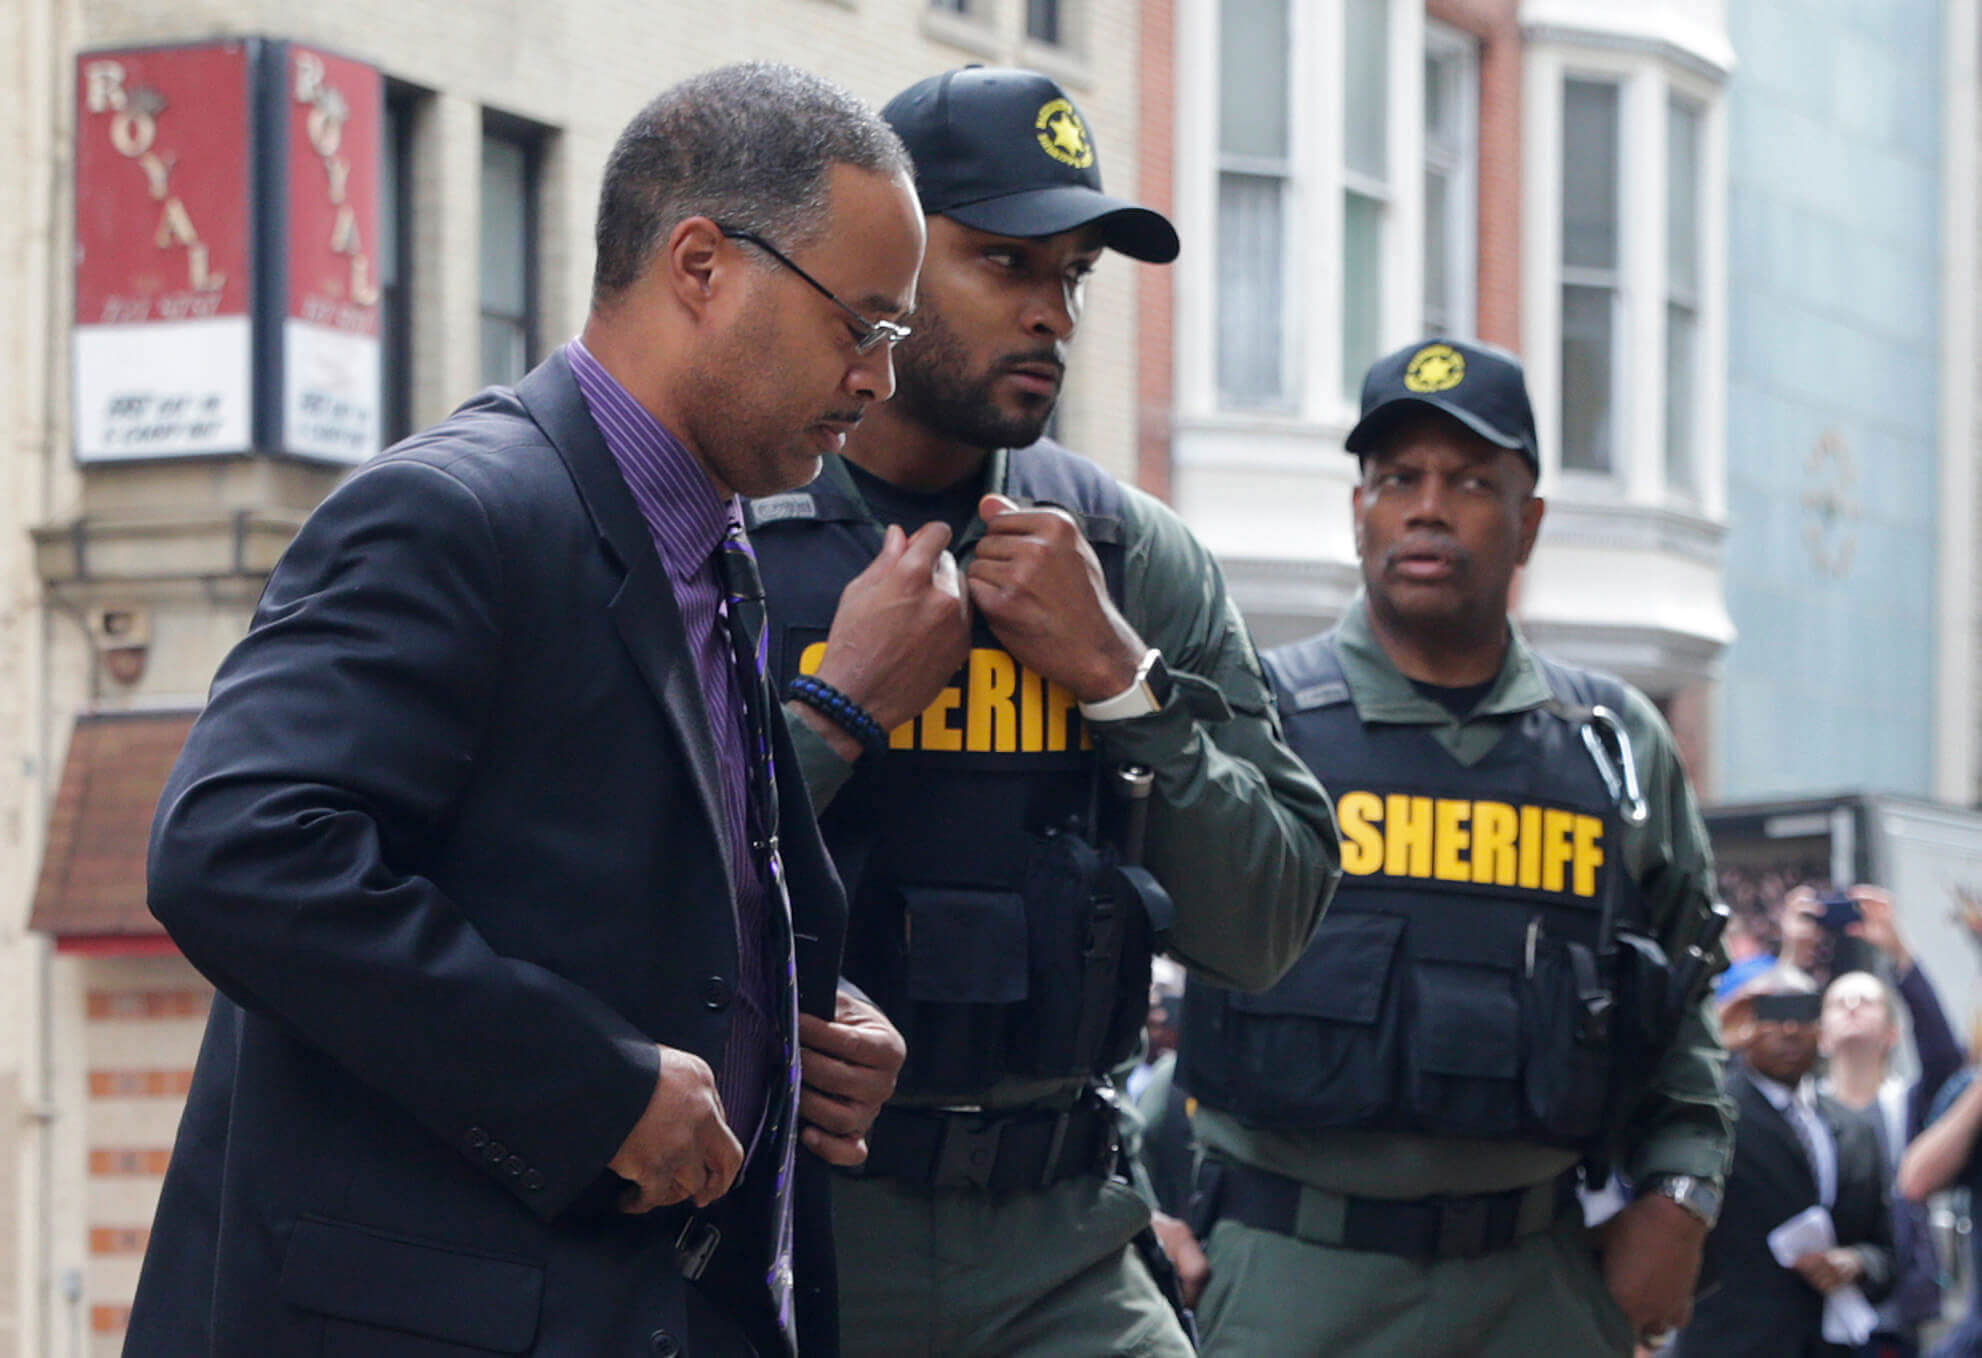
x: 1826, y: 1241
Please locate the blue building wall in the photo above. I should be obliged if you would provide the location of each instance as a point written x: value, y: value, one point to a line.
x: 1834, y: 136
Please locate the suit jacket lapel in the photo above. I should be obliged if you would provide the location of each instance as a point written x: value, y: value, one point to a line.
x: 644, y: 610
x: 1760, y: 1113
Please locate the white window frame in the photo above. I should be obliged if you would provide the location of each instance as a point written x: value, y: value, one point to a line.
x: 1315, y: 206
x: 1648, y: 79
x: 1461, y: 168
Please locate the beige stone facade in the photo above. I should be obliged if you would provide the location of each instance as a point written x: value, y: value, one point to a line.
x: 97, y: 1040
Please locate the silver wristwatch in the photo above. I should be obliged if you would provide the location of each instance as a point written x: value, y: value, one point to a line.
x: 1698, y: 1196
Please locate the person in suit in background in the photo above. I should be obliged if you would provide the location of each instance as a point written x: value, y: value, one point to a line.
x: 491, y: 846
x: 1794, y: 1149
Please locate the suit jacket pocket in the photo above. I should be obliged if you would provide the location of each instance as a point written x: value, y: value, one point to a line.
x: 423, y: 1287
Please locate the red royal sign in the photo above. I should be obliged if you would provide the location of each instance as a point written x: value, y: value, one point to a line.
x: 335, y: 111
x: 162, y: 214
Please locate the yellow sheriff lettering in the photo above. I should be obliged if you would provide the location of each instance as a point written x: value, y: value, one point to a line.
x: 994, y: 705
x: 1448, y: 839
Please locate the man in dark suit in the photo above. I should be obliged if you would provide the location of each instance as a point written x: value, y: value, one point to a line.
x: 478, y: 835
x: 1793, y: 1149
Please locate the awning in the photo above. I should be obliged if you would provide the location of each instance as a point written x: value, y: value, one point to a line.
x: 91, y: 896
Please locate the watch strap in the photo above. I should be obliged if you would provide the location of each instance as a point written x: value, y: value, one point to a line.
x: 1139, y: 699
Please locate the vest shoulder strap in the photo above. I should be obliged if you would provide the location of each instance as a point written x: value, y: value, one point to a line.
x: 1575, y: 691
x: 1306, y: 675
x: 1047, y: 473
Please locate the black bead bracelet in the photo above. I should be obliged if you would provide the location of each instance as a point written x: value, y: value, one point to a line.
x: 843, y: 711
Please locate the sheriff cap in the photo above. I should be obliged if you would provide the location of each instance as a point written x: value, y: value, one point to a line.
x: 1006, y: 151
x: 1479, y: 385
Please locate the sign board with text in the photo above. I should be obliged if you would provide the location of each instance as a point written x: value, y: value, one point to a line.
x: 164, y: 252
x: 227, y: 223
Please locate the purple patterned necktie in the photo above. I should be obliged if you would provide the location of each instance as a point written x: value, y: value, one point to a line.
x: 744, y: 590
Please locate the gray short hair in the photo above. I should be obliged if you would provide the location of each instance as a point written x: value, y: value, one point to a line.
x: 749, y: 145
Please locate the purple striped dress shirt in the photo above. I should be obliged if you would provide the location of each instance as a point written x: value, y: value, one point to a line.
x: 688, y: 521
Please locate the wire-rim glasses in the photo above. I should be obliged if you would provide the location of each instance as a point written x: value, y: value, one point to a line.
x: 869, y: 336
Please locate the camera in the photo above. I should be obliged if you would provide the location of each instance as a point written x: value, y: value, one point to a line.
x: 1838, y: 910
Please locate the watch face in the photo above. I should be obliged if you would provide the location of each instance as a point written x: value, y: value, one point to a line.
x: 1160, y: 684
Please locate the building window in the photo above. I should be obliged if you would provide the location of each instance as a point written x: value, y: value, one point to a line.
x: 1365, y: 182
x: 953, y: 6
x: 1590, y: 273
x: 1255, y: 170
x: 395, y: 265
x: 509, y: 236
x: 1045, y: 21
x: 1451, y: 179
x: 1682, y: 296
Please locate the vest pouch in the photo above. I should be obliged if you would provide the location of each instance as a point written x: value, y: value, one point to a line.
x: 1321, y: 1047
x: 1462, y: 1066
x: 966, y: 966
x: 1565, y: 1051
x: 1645, y: 1014
x: 1088, y: 955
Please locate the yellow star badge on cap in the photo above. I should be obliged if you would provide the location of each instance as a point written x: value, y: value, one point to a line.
x: 1062, y: 135
x: 1436, y: 367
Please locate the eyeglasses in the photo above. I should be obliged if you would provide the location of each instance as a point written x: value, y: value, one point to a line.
x: 868, y: 335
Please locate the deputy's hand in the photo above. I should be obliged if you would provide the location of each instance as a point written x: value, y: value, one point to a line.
x: 1828, y: 1270
x: 849, y: 1065
x: 1651, y: 1260
x: 681, y: 1147
x: 1181, y: 1245
x: 901, y: 630
x: 1039, y: 585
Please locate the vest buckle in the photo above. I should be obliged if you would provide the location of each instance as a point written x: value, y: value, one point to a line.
x: 968, y: 1152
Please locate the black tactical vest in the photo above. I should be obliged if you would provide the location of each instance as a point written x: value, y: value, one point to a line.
x: 1460, y: 983
x: 967, y: 849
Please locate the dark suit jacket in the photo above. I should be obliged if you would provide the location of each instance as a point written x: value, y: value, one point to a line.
x: 1760, y: 1308
x: 445, y: 839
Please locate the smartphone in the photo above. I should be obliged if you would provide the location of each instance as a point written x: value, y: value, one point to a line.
x: 1838, y: 911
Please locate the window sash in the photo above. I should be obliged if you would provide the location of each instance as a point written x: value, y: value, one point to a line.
x: 1592, y: 165
x: 1044, y: 22
x: 508, y: 283
x: 1254, y: 90
x: 1362, y: 285
x: 1590, y: 333
x: 395, y: 269
x: 1253, y: 368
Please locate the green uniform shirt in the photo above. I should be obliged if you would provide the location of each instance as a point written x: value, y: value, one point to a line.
x: 1240, y: 833
x: 1685, y: 1125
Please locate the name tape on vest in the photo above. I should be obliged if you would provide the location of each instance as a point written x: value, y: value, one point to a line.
x: 1486, y: 843
x: 994, y: 705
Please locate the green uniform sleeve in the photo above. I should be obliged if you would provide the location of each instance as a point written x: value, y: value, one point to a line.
x: 825, y: 772
x: 1240, y: 833
x: 1685, y: 1122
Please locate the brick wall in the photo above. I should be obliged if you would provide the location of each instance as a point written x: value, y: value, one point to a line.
x: 1496, y: 24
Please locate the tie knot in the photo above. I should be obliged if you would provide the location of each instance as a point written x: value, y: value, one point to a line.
x: 737, y: 563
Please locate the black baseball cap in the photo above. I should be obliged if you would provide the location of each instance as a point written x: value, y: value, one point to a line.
x: 1479, y: 385
x: 1006, y: 151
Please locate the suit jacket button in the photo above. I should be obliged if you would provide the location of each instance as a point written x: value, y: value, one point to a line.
x: 534, y: 1181
x: 476, y: 1138
x: 663, y: 1345
x: 513, y: 1167
x: 494, y: 1152
x: 717, y: 993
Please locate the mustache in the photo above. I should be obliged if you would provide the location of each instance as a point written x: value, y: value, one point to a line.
x: 1054, y: 355
x: 1429, y: 544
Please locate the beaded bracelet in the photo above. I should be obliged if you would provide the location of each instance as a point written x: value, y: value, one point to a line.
x: 844, y: 712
